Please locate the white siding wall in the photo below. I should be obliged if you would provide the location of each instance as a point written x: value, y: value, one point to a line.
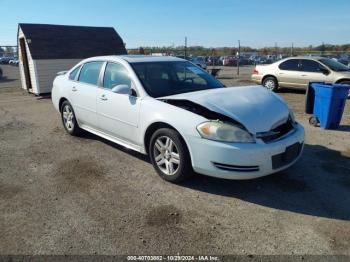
x: 31, y: 64
x: 42, y: 72
x: 46, y: 71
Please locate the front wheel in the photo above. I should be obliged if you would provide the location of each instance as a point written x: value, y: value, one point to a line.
x: 169, y: 155
x: 68, y: 119
x: 270, y: 83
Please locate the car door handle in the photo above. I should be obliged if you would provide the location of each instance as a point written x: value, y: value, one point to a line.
x: 74, y: 89
x: 303, y: 75
x: 103, y: 98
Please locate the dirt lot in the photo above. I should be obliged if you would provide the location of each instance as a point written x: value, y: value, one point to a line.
x: 65, y: 195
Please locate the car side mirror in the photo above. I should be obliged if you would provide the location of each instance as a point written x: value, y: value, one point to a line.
x: 122, y: 89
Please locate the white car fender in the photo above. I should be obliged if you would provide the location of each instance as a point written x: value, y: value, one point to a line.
x: 163, y: 110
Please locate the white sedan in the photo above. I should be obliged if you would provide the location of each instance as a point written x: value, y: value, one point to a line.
x: 179, y: 115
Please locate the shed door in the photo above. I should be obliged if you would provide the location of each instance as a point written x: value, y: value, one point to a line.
x: 25, y: 63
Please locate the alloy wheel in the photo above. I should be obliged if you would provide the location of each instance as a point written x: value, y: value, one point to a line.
x: 270, y: 84
x: 166, y: 155
x: 68, y: 117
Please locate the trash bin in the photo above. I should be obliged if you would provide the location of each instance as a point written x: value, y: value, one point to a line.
x: 326, y: 103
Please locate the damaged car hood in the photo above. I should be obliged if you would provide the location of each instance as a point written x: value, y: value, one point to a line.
x: 256, y: 108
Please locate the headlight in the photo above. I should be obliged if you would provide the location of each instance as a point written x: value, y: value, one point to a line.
x: 220, y: 131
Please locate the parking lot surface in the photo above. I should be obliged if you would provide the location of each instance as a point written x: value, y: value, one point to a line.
x: 66, y: 195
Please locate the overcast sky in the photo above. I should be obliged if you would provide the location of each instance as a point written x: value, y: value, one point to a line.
x: 210, y: 23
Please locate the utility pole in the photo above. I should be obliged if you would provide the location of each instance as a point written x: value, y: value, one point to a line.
x: 323, y: 49
x: 292, y: 50
x: 276, y: 49
x: 239, y: 55
x: 185, y: 47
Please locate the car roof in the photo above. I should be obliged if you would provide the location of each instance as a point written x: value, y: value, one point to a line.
x: 138, y: 58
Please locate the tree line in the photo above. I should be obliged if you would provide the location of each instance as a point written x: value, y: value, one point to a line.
x: 223, y: 51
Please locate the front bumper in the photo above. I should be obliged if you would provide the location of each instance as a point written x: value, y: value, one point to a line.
x: 245, y: 161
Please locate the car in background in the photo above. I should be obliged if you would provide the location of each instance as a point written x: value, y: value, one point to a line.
x: 14, y: 62
x: 261, y: 60
x: 344, y: 59
x: 244, y: 60
x: 229, y: 61
x: 199, y: 61
x: 221, y: 60
x: 254, y: 59
x: 298, y: 72
x: 266, y: 60
x: 5, y: 59
x: 182, y: 57
x: 213, y: 60
x: 179, y: 115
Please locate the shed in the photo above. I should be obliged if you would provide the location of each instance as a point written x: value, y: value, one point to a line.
x: 44, y: 50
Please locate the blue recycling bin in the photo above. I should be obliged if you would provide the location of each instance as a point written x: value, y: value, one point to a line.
x: 328, y: 104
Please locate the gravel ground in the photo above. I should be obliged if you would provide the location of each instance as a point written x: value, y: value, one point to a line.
x: 65, y: 195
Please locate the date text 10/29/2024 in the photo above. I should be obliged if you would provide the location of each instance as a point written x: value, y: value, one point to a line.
x: 173, y: 258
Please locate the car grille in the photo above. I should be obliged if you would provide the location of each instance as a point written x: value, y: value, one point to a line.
x: 276, y: 133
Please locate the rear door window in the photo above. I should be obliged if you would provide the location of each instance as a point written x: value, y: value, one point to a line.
x: 290, y: 65
x: 310, y: 66
x: 90, y: 73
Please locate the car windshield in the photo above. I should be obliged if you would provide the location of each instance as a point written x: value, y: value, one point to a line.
x: 176, y: 77
x: 334, y: 65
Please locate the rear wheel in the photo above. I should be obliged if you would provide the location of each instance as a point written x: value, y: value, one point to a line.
x: 68, y: 119
x: 314, y: 121
x: 270, y: 83
x: 169, y: 155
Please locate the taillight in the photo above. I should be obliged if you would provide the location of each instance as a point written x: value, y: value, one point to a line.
x: 255, y: 72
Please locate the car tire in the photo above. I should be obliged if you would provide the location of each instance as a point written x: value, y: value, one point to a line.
x: 68, y: 119
x: 270, y: 83
x: 346, y: 83
x: 0, y: 73
x: 169, y: 155
x: 313, y: 120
